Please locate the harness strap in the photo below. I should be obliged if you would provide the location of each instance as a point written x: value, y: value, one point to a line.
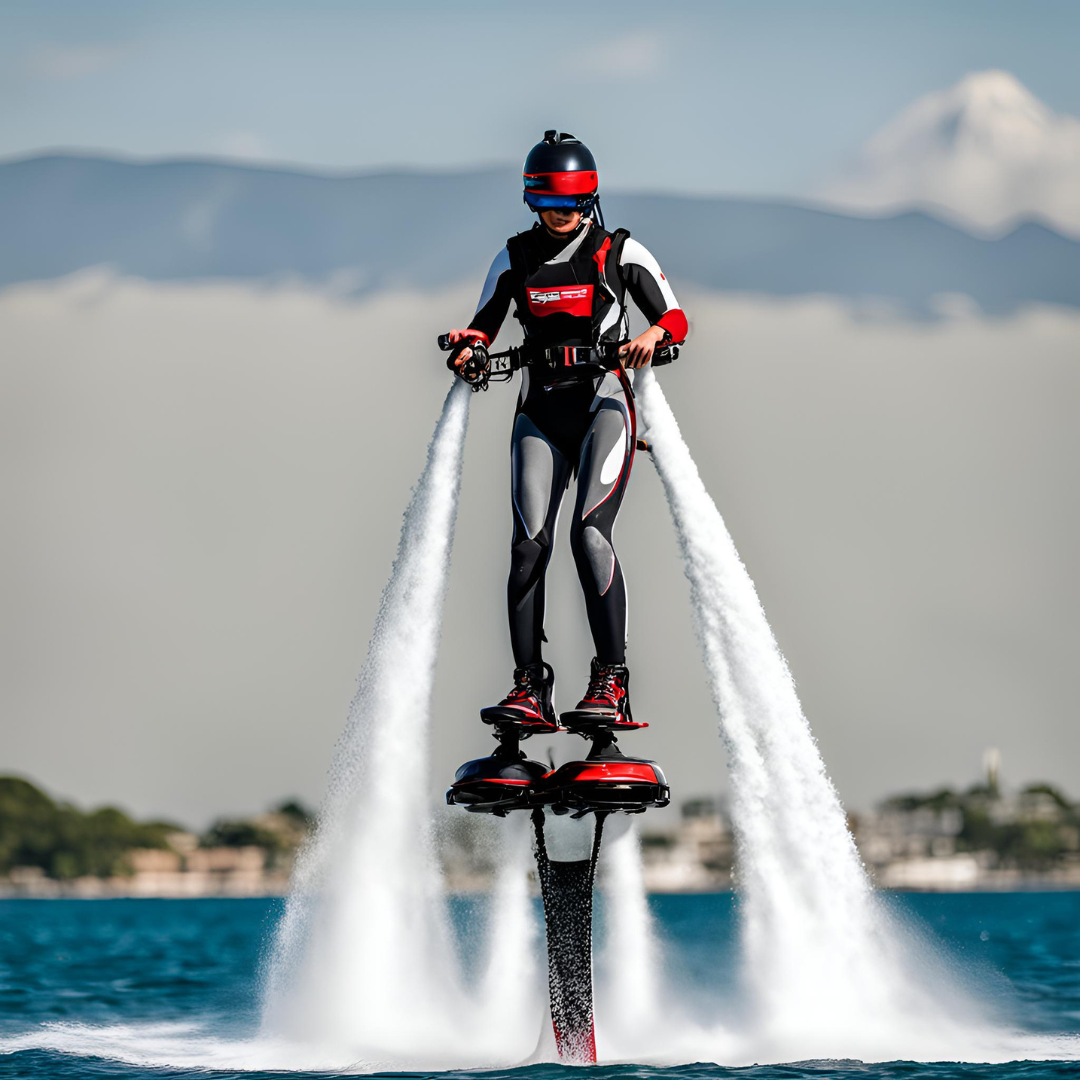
x: 606, y: 255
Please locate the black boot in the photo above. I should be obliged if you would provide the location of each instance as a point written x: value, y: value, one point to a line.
x: 606, y: 703
x: 528, y: 706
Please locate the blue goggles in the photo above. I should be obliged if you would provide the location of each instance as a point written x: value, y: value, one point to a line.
x: 559, y: 202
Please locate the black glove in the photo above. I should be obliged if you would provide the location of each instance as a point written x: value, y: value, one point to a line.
x: 476, y: 367
x: 665, y: 352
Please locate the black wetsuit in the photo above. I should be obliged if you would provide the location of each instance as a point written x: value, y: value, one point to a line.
x: 577, y: 419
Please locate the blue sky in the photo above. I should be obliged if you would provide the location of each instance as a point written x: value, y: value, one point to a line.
x: 749, y: 96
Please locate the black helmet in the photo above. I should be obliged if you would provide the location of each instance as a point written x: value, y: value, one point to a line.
x: 560, y: 172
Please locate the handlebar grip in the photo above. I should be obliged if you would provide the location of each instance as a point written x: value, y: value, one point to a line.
x: 664, y: 355
x: 444, y: 342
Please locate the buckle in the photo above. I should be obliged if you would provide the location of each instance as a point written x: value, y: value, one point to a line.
x: 570, y: 356
x: 560, y: 357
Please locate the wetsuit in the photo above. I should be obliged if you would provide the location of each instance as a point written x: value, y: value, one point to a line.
x: 575, y: 419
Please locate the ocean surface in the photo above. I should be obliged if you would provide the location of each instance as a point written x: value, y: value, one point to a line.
x: 135, y: 989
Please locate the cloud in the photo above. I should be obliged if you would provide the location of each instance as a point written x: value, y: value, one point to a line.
x: 64, y: 63
x: 642, y: 52
x: 985, y: 152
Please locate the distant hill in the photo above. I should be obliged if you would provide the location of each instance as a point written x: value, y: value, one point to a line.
x: 185, y: 220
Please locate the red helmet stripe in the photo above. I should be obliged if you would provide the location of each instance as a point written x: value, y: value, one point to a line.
x: 565, y: 183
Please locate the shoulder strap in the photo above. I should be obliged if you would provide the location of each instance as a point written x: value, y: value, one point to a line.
x: 618, y: 238
x: 519, y: 271
x: 516, y: 247
x: 607, y: 265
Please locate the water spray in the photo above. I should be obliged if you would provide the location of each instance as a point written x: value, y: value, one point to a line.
x: 363, y: 958
x: 829, y: 972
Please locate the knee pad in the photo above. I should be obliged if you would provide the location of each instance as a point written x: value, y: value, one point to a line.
x: 593, y: 551
x: 529, y: 556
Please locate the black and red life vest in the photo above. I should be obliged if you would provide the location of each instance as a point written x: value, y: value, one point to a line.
x: 565, y: 302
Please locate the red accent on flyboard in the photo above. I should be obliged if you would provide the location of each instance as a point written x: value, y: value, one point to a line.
x: 578, y: 1050
x: 563, y: 183
x: 618, y: 771
x: 574, y: 300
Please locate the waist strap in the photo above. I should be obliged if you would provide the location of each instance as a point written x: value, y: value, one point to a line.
x: 567, y: 356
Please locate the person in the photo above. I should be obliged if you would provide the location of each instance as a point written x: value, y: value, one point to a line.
x: 569, y: 279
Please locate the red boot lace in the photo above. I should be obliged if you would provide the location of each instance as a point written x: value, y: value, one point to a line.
x: 604, y: 686
x: 524, y: 689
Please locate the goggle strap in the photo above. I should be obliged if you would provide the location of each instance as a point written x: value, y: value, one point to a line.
x: 539, y: 202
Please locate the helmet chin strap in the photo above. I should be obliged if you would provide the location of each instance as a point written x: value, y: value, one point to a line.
x: 562, y: 236
x: 595, y: 215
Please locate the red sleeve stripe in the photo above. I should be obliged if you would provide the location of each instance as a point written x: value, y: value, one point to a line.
x: 674, y: 322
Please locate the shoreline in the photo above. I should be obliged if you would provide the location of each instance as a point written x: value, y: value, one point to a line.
x: 109, y: 890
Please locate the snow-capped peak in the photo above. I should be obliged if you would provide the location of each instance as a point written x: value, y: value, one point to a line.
x: 986, y: 151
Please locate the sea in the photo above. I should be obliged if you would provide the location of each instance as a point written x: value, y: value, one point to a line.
x: 134, y: 989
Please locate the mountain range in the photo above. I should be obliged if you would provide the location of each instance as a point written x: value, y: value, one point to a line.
x: 191, y: 220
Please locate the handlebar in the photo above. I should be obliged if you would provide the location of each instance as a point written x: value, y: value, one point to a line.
x: 500, y: 367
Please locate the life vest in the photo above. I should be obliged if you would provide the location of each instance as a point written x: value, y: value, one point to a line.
x: 566, y: 301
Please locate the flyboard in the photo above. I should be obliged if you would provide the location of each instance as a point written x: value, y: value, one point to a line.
x: 562, y: 802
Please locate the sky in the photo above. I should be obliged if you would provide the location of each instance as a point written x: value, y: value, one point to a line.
x: 922, y: 587
x: 716, y: 97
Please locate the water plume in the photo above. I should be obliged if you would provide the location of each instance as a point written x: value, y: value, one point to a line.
x: 363, y: 961
x: 631, y: 1020
x: 511, y: 989
x: 829, y: 972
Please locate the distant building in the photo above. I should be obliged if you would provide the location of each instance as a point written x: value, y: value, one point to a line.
x: 978, y: 839
x: 695, y: 857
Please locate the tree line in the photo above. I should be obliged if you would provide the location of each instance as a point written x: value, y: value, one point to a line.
x: 66, y: 842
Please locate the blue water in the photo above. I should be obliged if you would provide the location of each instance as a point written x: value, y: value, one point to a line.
x: 85, y: 983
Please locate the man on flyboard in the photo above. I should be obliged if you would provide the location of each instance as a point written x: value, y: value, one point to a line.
x: 569, y: 280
